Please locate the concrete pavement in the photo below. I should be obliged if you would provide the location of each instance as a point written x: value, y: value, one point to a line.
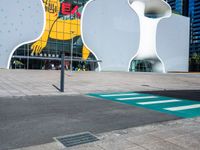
x: 181, y: 134
x: 38, y: 82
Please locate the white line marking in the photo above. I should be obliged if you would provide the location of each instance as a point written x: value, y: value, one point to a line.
x: 136, y: 98
x: 125, y: 94
x: 159, y: 102
x: 183, y: 107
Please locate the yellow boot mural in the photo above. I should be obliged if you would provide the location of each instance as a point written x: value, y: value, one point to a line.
x: 60, y: 28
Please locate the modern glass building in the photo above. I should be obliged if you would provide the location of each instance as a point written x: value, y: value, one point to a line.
x: 190, y: 8
x: 194, y: 13
x: 179, y: 6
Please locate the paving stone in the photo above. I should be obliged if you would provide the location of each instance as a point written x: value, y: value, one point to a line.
x: 189, y: 141
x: 90, y: 146
x: 164, y: 134
x: 163, y: 145
x: 143, y: 139
x: 48, y: 146
x: 136, y: 148
x: 143, y: 130
x: 189, y: 129
x: 109, y: 136
x: 197, y: 119
x: 116, y: 144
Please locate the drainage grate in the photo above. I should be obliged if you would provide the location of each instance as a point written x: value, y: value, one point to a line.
x: 77, y: 139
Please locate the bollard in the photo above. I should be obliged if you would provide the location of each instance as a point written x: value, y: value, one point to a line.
x: 62, y: 73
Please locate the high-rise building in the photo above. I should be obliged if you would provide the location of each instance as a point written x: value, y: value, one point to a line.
x: 190, y: 8
x: 194, y: 14
x: 179, y: 6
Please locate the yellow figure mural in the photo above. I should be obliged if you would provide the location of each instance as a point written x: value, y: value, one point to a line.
x: 59, y: 28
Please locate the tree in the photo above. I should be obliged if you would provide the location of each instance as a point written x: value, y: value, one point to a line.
x: 196, y: 58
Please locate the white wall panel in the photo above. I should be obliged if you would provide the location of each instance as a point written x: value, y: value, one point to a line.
x: 173, y: 43
x: 20, y: 21
x: 110, y: 28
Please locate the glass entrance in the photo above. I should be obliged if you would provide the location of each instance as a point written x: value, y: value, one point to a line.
x: 141, y: 66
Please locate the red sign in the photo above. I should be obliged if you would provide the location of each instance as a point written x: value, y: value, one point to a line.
x: 66, y: 9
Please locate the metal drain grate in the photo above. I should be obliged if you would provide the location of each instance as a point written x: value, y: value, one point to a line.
x: 77, y: 139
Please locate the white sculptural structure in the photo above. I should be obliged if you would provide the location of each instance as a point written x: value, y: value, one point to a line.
x: 150, y: 12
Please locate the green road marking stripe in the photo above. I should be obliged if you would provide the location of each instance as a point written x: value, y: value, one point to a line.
x: 160, y: 109
x: 174, y: 104
x: 114, y: 96
x: 153, y: 102
x: 183, y: 107
x: 189, y: 112
x: 125, y: 94
x: 148, y: 100
x: 136, y: 98
x: 159, y: 102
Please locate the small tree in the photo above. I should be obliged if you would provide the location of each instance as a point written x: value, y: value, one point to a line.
x: 196, y: 58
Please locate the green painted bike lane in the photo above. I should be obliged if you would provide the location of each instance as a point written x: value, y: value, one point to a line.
x: 161, y: 104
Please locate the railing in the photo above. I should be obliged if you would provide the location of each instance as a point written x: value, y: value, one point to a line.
x: 77, y: 59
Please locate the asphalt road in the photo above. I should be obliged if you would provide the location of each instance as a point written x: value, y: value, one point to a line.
x: 182, y: 94
x: 26, y: 121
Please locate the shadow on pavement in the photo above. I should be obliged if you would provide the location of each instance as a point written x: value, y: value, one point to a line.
x: 182, y: 94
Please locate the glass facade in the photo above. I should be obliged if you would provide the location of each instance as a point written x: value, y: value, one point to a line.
x: 179, y: 6
x: 194, y: 13
x: 141, y: 66
x: 61, y: 35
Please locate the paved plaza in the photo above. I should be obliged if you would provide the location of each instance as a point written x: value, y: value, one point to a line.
x: 173, y: 135
x: 37, y: 82
x: 33, y: 111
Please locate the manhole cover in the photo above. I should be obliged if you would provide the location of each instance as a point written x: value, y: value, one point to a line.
x: 76, y: 139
